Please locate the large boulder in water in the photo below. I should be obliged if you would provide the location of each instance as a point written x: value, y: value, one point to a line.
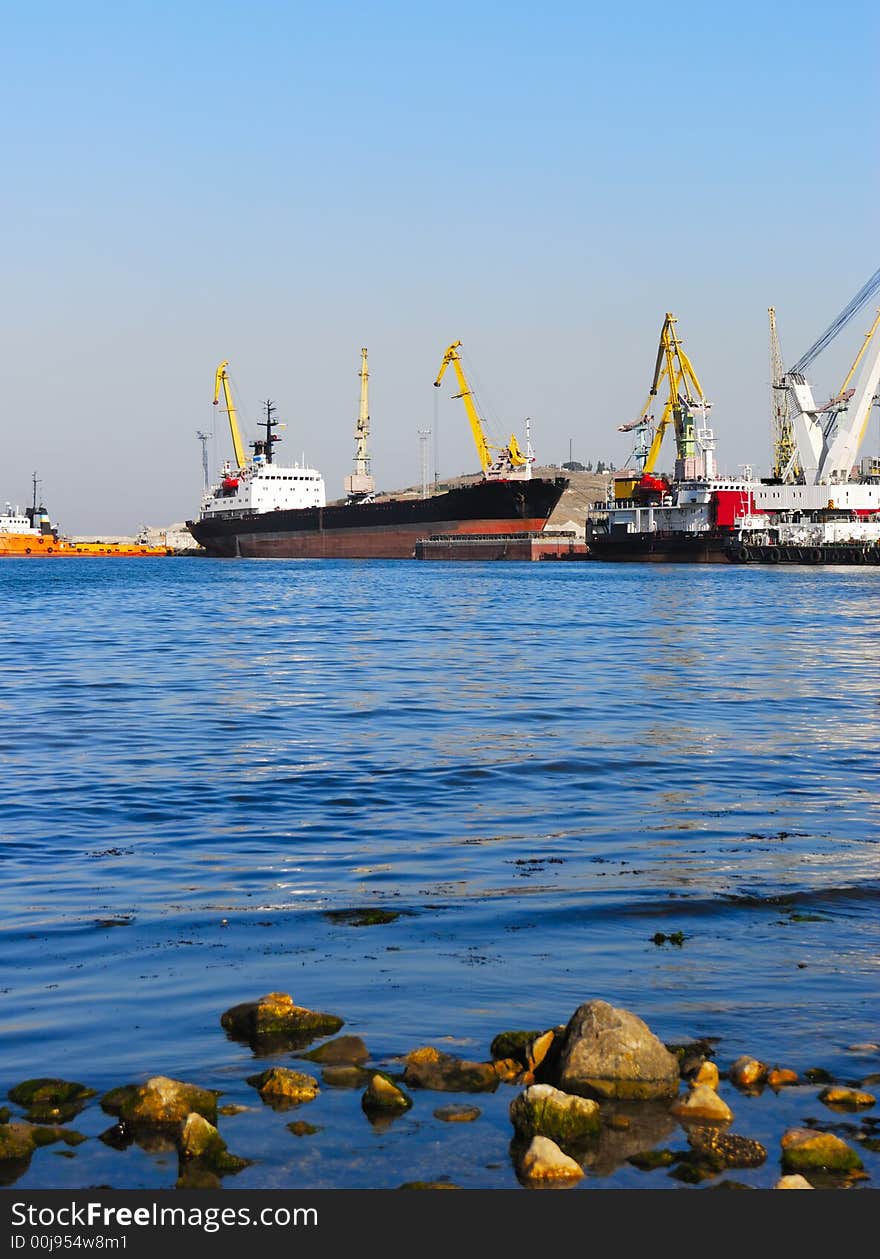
x: 276, y: 1020
x: 160, y: 1103
x: 610, y: 1053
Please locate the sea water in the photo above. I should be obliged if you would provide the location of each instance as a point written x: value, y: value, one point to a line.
x: 654, y: 785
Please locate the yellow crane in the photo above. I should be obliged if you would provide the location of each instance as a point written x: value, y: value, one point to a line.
x: 685, y: 396
x: 221, y: 381
x: 509, y: 461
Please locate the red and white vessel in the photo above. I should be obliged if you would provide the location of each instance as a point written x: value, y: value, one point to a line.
x: 820, y: 507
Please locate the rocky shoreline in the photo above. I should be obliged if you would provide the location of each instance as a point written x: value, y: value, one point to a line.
x: 587, y: 1095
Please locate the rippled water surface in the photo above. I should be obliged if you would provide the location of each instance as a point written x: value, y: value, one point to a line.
x: 539, y: 767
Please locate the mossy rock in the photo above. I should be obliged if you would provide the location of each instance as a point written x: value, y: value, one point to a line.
x: 5, y: 1114
x: 649, y: 1160
x: 428, y: 1184
x: 805, y: 1150
x: 50, y: 1135
x: 818, y: 1075
x: 49, y: 1092
x: 201, y: 1143
x: 544, y: 1111
x: 276, y: 1018
x: 362, y: 917
x: 47, y: 1099
x: 300, y: 1128
x: 513, y: 1045
x: 160, y: 1103
x: 16, y: 1142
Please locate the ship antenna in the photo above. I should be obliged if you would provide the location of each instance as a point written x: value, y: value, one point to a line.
x: 265, y: 446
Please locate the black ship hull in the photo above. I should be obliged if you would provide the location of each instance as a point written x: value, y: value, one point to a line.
x: 380, y: 530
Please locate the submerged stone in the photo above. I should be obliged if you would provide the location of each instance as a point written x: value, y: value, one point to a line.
x: 648, y: 1160
x: 725, y: 1149
x: 343, y: 1051
x: 47, y: 1099
x: 428, y: 1068
x: 362, y: 917
x: 457, y: 1114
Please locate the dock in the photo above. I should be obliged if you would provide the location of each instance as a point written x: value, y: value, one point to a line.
x: 499, y: 546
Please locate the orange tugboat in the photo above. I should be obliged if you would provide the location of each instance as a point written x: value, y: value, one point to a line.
x: 31, y: 533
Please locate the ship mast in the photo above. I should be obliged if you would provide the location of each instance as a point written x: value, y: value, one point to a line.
x: 263, y: 445
x: 360, y: 486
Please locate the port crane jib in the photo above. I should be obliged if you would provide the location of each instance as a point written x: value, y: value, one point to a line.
x: 221, y: 381
x: 829, y: 435
x: 509, y: 462
x: 685, y: 402
x: 360, y: 486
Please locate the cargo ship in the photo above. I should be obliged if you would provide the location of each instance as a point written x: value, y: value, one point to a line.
x: 261, y: 509
x: 30, y: 533
x: 819, y: 506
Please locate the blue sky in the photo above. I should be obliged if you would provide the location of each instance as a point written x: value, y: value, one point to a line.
x: 280, y: 184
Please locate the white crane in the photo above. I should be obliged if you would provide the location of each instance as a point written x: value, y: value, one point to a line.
x: 829, y: 434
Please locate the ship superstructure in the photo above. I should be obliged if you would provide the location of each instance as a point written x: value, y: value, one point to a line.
x: 256, y: 483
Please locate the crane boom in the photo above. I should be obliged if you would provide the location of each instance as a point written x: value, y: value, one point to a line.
x: 452, y: 356
x: 360, y: 486
x: 685, y: 395
x: 510, y: 461
x: 221, y: 381
x: 785, y: 464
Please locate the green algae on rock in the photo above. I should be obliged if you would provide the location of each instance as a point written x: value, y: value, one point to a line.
x: 545, y: 1111
x: 159, y: 1103
x: 805, y: 1150
x: 47, y: 1098
x: 201, y: 1143
x: 16, y: 1142
x: 362, y: 917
